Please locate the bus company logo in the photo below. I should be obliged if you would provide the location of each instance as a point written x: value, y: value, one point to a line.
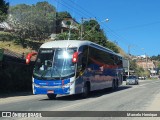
x: 44, y: 83
x: 56, y: 83
x: 6, y: 114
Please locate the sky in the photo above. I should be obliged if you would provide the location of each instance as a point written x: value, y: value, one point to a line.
x: 134, y: 25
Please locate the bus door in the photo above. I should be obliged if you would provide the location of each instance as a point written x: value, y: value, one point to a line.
x: 81, y: 73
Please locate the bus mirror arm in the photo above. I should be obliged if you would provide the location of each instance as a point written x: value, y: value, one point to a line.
x: 29, y: 56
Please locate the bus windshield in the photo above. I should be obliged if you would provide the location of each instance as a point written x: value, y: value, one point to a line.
x: 54, y: 64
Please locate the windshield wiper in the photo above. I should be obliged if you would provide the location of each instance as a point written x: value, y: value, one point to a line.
x: 45, y: 72
x: 55, y: 69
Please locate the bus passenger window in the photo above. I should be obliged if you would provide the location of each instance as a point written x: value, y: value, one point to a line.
x: 83, y: 57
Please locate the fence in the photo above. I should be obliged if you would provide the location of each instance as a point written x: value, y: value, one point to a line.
x: 15, y: 75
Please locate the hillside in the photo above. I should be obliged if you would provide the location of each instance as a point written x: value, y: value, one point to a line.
x: 11, y: 42
x: 13, y: 47
x: 121, y: 52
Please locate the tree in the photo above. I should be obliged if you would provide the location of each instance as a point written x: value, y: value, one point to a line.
x: 94, y: 33
x: 112, y: 46
x: 139, y: 71
x: 35, y: 22
x: 91, y: 32
x: 91, y: 25
x: 3, y: 10
x: 156, y: 57
x: 62, y: 15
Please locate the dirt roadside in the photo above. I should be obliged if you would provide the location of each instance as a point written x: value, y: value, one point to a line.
x: 155, y: 105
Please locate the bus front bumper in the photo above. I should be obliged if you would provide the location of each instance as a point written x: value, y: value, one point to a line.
x: 50, y: 90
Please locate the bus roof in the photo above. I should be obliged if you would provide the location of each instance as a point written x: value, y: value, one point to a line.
x: 64, y: 44
x: 73, y: 43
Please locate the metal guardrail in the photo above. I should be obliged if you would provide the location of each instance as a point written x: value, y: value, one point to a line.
x: 13, y: 54
x: 8, y: 55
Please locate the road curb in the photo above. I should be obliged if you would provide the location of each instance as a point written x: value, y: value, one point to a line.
x: 14, y: 94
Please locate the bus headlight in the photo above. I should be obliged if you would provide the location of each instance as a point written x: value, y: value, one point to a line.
x: 68, y: 84
x: 37, y: 85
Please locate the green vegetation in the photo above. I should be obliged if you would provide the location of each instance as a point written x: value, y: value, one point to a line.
x: 6, y: 36
x: 139, y: 71
x: 59, y: 17
x: 156, y: 57
x: 3, y: 10
x: 33, y: 24
x: 156, y: 60
x: 91, y: 32
x: 11, y: 42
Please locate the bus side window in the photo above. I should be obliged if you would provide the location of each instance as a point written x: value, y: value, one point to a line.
x: 83, y: 57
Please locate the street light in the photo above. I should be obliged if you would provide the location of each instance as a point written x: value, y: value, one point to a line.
x: 106, y: 20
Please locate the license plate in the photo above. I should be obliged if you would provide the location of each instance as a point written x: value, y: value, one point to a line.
x: 50, y: 91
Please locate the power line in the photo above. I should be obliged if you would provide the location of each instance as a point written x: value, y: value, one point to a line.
x: 81, y: 11
x: 140, y: 26
x: 89, y: 13
x: 76, y: 7
x: 116, y: 35
x: 70, y: 7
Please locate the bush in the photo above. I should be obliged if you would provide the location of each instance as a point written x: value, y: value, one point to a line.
x: 6, y: 36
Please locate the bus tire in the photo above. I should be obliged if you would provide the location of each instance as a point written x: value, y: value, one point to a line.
x: 52, y: 96
x: 114, y: 85
x: 86, y: 90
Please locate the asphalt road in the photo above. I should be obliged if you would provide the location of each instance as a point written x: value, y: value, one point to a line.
x: 142, y: 97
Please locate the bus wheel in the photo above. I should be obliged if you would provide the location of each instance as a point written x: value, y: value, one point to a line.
x: 114, y: 85
x: 51, y: 96
x: 86, y: 91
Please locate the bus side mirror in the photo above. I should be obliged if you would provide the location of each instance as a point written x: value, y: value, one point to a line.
x: 75, y: 57
x: 29, y: 56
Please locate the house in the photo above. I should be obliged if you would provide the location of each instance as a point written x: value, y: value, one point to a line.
x: 4, y: 26
x: 65, y: 25
x: 147, y: 65
x: 68, y: 23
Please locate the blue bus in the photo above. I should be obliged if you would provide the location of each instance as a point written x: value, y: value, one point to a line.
x: 67, y: 67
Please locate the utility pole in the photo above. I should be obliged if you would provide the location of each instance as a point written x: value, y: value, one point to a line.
x: 128, y: 58
x: 146, y: 61
x: 128, y: 67
x: 82, y: 27
x: 106, y: 20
